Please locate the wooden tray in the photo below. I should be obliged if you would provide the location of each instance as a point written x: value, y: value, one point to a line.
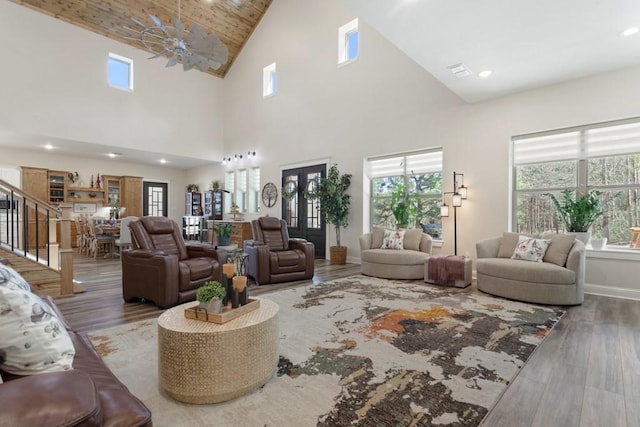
x: 227, y: 314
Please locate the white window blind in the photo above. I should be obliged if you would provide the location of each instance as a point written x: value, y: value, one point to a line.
x: 563, y: 146
x: 613, y: 140
x: 430, y: 161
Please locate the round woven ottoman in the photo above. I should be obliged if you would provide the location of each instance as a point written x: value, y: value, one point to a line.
x: 202, y: 362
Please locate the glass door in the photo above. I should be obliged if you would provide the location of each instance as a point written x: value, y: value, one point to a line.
x: 304, y: 216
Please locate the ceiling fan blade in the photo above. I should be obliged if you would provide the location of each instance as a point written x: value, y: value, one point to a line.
x: 173, y: 61
x: 213, y: 64
x: 159, y: 24
x: 159, y: 54
x: 137, y: 21
x: 187, y: 62
x: 179, y: 26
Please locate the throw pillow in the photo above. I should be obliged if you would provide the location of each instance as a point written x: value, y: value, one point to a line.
x: 377, y: 237
x: 508, y: 244
x: 393, y: 239
x: 412, y: 239
x: 32, y: 339
x: 559, y: 248
x: 530, y: 249
x: 12, y: 279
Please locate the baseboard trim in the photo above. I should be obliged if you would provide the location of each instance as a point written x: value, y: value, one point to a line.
x: 612, y: 291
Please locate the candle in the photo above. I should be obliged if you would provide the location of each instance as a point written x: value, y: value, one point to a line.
x: 239, y: 283
x: 229, y: 270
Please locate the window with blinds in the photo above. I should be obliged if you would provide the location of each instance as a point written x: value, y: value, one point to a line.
x: 604, y: 156
x: 254, y: 190
x: 419, y: 173
x: 230, y: 186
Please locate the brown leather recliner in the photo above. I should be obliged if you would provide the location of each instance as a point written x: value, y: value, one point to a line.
x: 162, y: 268
x: 274, y: 257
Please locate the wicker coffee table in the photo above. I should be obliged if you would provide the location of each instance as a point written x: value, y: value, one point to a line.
x: 202, y: 362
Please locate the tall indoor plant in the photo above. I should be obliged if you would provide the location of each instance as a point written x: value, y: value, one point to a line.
x: 578, y: 215
x: 334, y: 203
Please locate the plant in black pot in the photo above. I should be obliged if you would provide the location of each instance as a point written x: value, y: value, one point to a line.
x: 334, y: 204
x: 578, y: 214
x: 210, y: 296
x: 223, y: 232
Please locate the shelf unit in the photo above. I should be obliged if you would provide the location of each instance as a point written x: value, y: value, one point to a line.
x: 57, y: 184
x: 83, y: 194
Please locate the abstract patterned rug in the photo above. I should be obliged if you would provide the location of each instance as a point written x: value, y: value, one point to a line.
x: 360, y: 351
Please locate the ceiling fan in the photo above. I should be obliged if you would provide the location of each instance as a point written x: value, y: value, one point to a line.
x: 193, y: 47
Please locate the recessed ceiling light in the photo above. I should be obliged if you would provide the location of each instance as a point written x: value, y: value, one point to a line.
x: 49, y: 147
x: 163, y: 161
x: 485, y: 73
x: 112, y: 155
x: 630, y: 31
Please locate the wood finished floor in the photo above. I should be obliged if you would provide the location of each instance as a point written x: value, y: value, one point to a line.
x: 585, y: 373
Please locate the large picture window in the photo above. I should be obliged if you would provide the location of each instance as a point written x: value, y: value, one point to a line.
x: 604, y: 157
x: 420, y: 174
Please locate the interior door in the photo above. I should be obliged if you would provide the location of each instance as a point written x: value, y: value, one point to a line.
x: 154, y: 199
x: 303, y: 216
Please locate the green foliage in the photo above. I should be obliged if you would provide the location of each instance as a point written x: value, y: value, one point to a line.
x: 577, y: 215
x: 210, y: 290
x: 403, y: 205
x: 334, y: 202
x: 215, y: 185
x: 193, y: 188
x: 224, y: 229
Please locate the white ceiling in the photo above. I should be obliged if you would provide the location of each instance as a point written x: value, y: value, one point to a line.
x: 527, y: 43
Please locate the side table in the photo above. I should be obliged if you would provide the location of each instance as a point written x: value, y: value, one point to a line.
x: 202, y: 362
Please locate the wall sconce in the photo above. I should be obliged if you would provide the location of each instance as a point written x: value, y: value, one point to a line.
x: 458, y: 194
x: 251, y: 154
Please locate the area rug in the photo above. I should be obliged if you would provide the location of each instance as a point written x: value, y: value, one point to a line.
x: 360, y: 351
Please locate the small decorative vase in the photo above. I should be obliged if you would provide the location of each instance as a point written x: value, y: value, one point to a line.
x: 599, y: 244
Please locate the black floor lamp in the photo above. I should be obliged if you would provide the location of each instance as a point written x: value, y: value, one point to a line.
x: 459, y: 193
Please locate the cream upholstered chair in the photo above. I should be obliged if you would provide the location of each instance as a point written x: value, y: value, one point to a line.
x: 407, y: 263
x: 559, y: 279
x: 124, y: 241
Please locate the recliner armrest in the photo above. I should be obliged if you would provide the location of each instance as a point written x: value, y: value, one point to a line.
x: 52, y: 399
x: 201, y: 250
x: 141, y: 253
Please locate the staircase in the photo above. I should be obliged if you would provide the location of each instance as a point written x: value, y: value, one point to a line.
x: 29, y: 240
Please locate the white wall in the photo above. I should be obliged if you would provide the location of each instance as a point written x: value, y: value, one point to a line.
x: 382, y: 103
x: 53, y: 82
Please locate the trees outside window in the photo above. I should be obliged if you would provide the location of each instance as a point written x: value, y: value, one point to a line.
x: 605, y: 157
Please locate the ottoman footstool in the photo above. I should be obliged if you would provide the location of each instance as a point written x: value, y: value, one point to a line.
x: 457, y: 271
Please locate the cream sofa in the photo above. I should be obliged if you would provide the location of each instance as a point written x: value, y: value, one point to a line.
x: 393, y: 263
x: 557, y: 280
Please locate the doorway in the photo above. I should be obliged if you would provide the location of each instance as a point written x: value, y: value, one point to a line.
x: 303, y: 216
x: 154, y: 199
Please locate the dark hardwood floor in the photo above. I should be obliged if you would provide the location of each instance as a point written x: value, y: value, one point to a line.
x: 585, y: 373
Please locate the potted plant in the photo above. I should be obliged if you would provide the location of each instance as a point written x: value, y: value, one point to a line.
x: 334, y: 203
x: 193, y: 188
x: 210, y: 296
x: 578, y: 215
x: 403, y: 206
x: 215, y: 186
x: 223, y: 232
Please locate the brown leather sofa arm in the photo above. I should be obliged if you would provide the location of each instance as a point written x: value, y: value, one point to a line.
x: 150, y: 273
x: 67, y: 398
x: 309, y: 251
x: 141, y: 253
x: 199, y: 250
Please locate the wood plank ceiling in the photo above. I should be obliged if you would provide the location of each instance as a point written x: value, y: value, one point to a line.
x: 233, y: 21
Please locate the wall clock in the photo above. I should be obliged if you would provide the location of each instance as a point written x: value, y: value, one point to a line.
x: 269, y: 194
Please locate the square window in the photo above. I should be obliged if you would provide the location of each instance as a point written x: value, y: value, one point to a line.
x: 120, y: 72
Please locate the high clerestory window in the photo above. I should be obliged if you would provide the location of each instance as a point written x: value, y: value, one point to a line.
x: 604, y: 157
x: 269, y: 80
x: 348, y: 42
x: 120, y: 72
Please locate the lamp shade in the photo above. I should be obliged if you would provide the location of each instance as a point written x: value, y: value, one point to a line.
x: 456, y: 200
x: 444, y: 210
x: 462, y: 191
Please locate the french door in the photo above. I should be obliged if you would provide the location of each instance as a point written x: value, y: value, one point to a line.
x: 154, y: 199
x: 303, y: 216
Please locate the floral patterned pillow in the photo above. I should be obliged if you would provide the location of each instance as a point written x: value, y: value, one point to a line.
x: 530, y: 249
x: 393, y: 239
x: 32, y: 338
